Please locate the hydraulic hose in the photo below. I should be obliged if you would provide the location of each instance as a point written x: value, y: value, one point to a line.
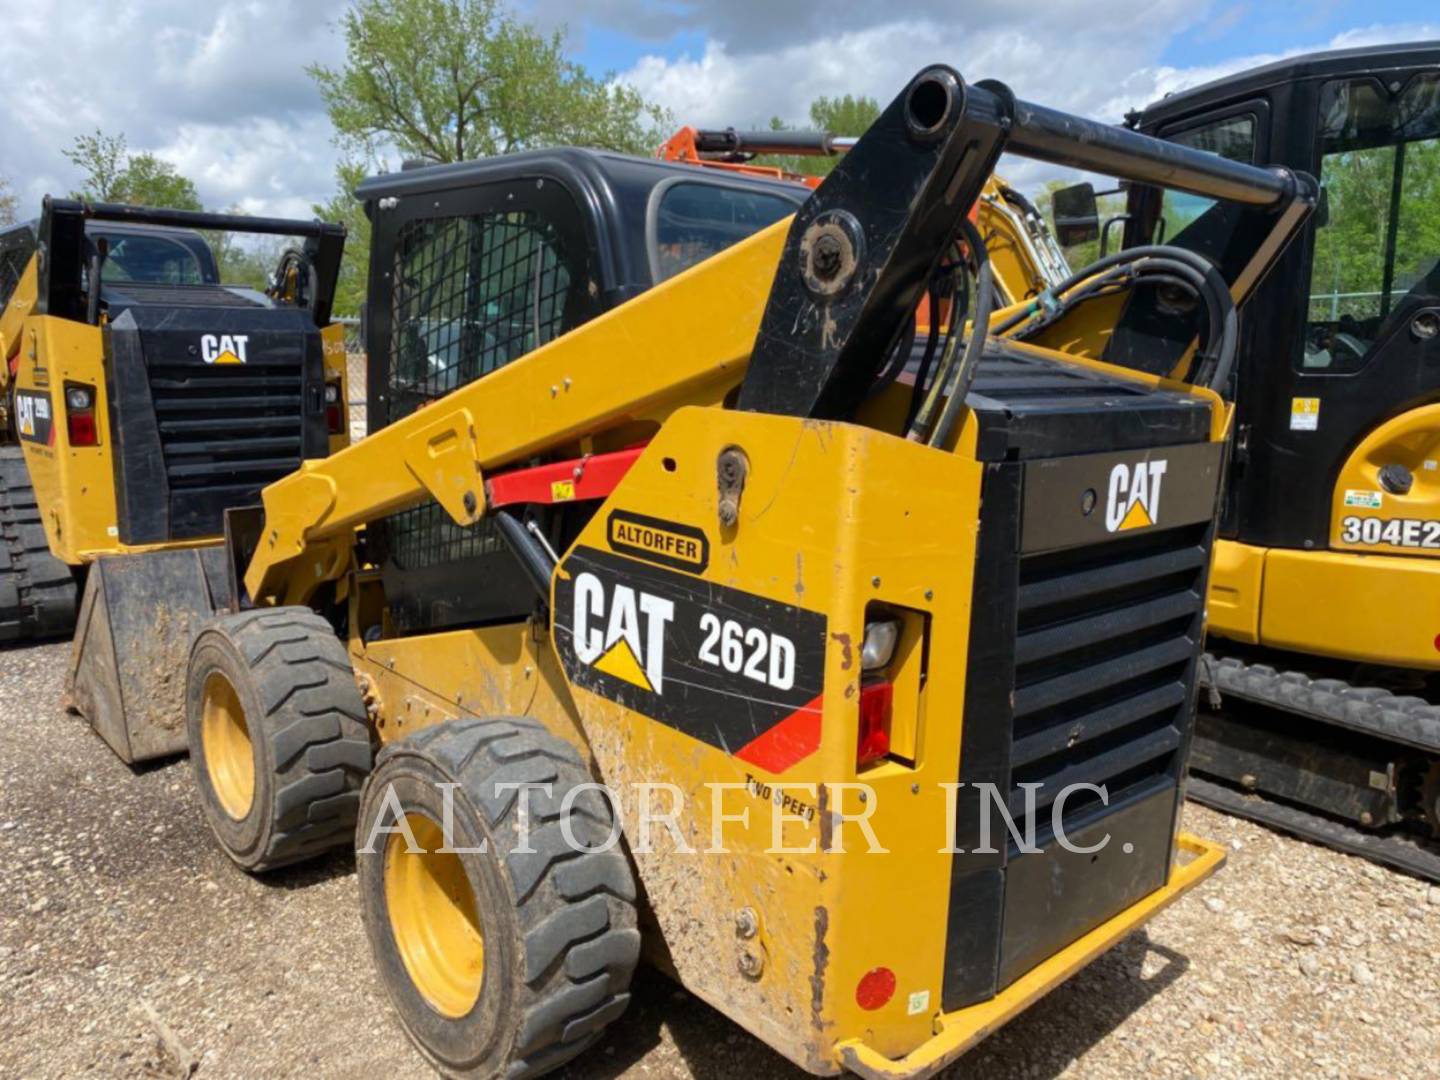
x: 960, y: 378
x: 1152, y: 264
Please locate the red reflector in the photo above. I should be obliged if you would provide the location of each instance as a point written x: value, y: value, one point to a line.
x: 332, y: 419
x: 877, y: 986
x: 876, y: 700
x: 81, y: 426
x: 1437, y: 642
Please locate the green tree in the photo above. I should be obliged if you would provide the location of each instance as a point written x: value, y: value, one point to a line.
x: 7, y: 202
x: 350, y: 212
x: 113, y: 174
x: 449, y: 80
x: 845, y: 116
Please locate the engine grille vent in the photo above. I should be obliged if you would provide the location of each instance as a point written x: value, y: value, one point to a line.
x: 228, y: 430
x: 1105, y: 637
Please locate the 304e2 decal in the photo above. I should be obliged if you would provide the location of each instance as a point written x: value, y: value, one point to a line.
x: 1394, y: 532
x: 740, y: 672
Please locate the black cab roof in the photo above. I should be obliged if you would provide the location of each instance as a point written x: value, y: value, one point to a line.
x: 1335, y: 63
x: 618, y: 195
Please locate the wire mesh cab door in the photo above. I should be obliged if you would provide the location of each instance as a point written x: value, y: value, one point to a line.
x: 463, y: 282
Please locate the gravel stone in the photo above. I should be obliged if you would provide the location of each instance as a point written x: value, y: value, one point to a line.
x: 273, y: 978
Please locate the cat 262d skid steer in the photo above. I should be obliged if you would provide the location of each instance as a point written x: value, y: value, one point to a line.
x: 820, y: 631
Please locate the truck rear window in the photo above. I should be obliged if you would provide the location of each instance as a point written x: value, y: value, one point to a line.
x: 697, y: 220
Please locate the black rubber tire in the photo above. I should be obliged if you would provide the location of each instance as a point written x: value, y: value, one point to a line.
x: 559, y: 925
x: 37, y: 590
x: 308, y: 733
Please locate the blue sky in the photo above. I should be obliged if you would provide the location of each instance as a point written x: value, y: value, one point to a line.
x: 1256, y: 26
x: 219, y: 88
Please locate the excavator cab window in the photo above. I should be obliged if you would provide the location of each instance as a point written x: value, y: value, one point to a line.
x: 1231, y: 137
x: 1379, y: 247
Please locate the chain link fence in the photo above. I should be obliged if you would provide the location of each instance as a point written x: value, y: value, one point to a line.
x: 355, y: 366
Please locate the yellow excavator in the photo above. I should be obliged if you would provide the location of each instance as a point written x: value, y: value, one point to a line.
x: 1322, y: 716
x: 672, y: 615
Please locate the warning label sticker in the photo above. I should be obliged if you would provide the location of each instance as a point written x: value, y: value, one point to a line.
x: 1366, y: 500
x: 1304, y: 414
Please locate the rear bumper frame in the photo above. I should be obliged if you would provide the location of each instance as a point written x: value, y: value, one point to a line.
x: 959, y: 1031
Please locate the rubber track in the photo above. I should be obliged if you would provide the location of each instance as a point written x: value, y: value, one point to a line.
x: 1402, y: 852
x: 576, y: 910
x: 1412, y: 721
x: 37, y: 590
x: 1369, y: 710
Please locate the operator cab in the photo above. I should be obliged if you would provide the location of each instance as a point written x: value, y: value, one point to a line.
x: 1350, y: 331
x: 478, y: 263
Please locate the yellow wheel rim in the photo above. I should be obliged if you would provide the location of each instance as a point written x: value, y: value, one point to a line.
x: 433, y: 918
x: 229, y: 757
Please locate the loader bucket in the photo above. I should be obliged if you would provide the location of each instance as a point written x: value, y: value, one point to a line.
x: 132, y: 645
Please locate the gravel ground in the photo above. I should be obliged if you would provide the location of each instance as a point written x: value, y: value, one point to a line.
x: 128, y: 941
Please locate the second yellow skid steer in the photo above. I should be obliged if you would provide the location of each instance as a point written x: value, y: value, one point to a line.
x: 889, y: 683
x: 144, y: 397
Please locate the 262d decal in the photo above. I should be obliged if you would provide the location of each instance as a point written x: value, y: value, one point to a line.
x: 738, y: 671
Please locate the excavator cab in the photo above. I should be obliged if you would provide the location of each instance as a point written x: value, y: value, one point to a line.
x: 1325, y: 710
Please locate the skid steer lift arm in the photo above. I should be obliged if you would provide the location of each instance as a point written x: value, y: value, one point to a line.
x: 810, y: 314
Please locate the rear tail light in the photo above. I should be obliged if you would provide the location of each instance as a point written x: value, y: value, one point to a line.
x: 80, y: 416
x: 334, y: 409
x: 877, y: 700
x: 878, y: 649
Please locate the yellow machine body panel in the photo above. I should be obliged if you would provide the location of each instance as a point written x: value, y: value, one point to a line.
x: 1233, y: 605
x: 1328, y: 603
x: 74, y: 486
x: 1342, y: 603
x: 1366, y: 514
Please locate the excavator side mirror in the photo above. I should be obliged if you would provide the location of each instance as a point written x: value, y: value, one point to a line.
x: 1321, y: 214
x: 1077, y: 215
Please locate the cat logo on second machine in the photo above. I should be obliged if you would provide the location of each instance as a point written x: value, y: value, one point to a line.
x: 1134, y: 498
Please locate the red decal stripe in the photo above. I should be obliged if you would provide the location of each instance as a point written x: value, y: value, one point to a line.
x: 593, y: 477
x: 789, y: 742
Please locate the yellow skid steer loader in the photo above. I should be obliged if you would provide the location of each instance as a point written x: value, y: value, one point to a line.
x: 144, y: 397
x: 681, y: 617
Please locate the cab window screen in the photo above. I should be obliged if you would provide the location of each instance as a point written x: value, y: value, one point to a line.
x: 470, y: 295
x: 696, y: 221
x: 1377, y: 242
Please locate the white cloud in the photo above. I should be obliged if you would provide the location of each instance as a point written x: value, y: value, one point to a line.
x: 1058, y: 55
x: 196, y: 84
